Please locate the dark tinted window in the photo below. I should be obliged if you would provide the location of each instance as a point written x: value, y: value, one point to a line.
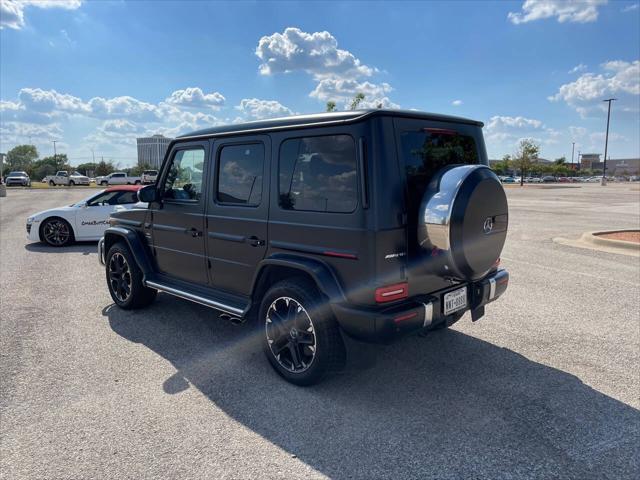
x: 318, y: 174
x: 426, y: 151
x: 240, y: 174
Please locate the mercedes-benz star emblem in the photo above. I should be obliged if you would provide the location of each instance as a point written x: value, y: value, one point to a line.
x: 488, y: 225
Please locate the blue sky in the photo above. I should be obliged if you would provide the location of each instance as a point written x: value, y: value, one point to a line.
x: 94, y: 75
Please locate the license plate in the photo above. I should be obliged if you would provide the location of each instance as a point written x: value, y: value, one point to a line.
x: 456, y: 300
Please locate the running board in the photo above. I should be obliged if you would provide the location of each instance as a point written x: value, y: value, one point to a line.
x: 201, y: 299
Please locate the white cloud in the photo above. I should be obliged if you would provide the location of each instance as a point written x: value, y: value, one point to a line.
x: 256, y: 109
x: 578, y: 68
x: 343, y: 90
x: 619, y: 78
x: 578, y: 11
x: 456, y: 103
x: 498, y: 123
x: 630, y: 8
x: 121, y: 126
x: 577, y: 132
x: 12, y: 11
x: 12, y: 133
x: 315, y: 53
x: 194, y: 97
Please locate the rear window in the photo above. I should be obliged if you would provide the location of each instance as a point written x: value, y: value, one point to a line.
x: 318, y: 174
x: 426, y: 151
x: 150, y: 172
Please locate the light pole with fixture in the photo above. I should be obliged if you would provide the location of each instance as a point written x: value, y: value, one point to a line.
x: 606, y: 142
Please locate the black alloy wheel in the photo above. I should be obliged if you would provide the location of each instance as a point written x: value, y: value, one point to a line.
x: 119, y: 277
x: 57, y: 232
x: 290, y: 334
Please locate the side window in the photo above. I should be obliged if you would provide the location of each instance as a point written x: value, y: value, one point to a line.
x: 318, y: 174
x: 127, y: 197
x: 184, y: 179
x: 240, y: 170
x: 106, y: 198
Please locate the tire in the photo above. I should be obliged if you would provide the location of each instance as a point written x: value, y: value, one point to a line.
x: 72, y: 183
x: 292, y: 322
x: 137, y: 182
x: 124, y: 279
x: 104, y: 184
x: 57, y: 232
x: 52, y: 183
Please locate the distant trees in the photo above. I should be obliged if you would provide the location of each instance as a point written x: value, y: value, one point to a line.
x: 104, y: 168
x: 20, y: 157
x: 138, y: 169
x: 356, y: 101
x: 525, y: 156
x: 331, y: 106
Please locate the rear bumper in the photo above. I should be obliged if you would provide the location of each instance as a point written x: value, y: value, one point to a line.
x: 386, y: 324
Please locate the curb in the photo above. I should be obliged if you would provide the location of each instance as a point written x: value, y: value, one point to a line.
x: 595, y: 239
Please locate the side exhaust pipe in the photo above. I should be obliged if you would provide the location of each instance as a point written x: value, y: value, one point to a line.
x: 233, y: 320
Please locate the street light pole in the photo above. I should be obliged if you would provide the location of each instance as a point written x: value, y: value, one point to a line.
x: 606, y: 141
x: 55, y: 155
x: 573, y: 146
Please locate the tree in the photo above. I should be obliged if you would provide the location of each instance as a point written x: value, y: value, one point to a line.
x: 104, y: 168
x: 523, y: 159
x: 138, y: 169
x: 331, y: 106
x: 59, y: 161
x: 356, y: 100
x: 87, y: 168
x: 21, y: 157
x: 502, y: 167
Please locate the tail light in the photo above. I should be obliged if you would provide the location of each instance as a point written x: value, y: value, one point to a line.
x: 391, y: 293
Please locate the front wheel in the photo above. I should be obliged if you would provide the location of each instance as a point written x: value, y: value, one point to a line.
x: 103, y: 183
x: 301, y: 338
x: 137, y: 182
x: 51, y: 183
x: 56, y: 232
x: 124, y: 279
x: 72, y: 183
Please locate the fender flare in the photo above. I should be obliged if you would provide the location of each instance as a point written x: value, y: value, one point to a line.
x: 131, y: 238
x: 320, y: 272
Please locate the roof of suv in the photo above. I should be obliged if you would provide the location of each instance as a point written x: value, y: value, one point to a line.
x: 330, y: 118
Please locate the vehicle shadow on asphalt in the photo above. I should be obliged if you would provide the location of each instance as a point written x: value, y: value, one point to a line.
x: 445, y: 406
x: 85, y: 248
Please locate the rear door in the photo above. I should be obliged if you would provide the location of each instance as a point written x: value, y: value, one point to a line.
x: 178, y: 218
x: 237, y: 211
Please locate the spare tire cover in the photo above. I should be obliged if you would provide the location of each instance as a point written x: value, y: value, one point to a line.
x: 463, y: 220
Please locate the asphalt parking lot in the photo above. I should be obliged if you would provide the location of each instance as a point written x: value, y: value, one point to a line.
x: 545, y: 386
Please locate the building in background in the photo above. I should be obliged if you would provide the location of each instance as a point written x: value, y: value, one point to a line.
x: 588, y: 160
x: 151, y: 150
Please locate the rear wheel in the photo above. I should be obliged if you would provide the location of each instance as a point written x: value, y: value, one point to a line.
x: 51, y: 183
x: 301, y: 338
x: 103, y: 183
x: 137, y: 182
x: 56, y: 232
x: 72, y: 183
x: 124, y: 279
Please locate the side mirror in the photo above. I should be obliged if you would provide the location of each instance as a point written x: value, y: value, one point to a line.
x: 148, y: 194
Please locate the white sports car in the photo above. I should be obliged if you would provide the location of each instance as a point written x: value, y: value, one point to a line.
x: 82, y: 221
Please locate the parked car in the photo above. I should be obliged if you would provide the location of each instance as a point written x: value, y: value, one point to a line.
x: 62, y: 177
x: 85, y: 220
x: 149, y: 176
x: 118, y: 178
x: 508, y: 180
x: 310, y: 226
x: 17, y: 178
x: 536, y: 180
x: 548, y: 179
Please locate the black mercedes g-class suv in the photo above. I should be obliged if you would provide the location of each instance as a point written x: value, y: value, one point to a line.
x: 372, y: 224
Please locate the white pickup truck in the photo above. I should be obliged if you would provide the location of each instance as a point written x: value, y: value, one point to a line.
x: 118, y: 178
x: 62, y: 177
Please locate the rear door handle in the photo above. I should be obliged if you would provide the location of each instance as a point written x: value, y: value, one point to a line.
x: 195, y: 232
x: 255, y: 241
